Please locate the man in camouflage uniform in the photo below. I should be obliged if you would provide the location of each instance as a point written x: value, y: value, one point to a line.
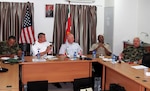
x: 133, y: 53
x: 10, y: 48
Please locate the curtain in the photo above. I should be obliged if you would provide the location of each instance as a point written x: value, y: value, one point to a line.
x: 83, y: 25
x: 11, y: 18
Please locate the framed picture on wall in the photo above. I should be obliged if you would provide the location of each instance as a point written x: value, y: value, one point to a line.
x: 49, y: 10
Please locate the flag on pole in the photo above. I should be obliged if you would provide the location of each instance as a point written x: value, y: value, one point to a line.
x: 68, y: 23
x: 27, y: 32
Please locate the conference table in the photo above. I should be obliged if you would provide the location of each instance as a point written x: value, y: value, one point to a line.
x: 65, y: 70
x: 58, y: 70
x: 9, y: 81
x: 123, y: 74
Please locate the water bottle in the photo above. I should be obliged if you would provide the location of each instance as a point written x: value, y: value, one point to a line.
x: 25, y: 87
x: 94, y: 54
x: 99, y: 88
x: 38, y: 55
x: 75, y: 56
x: 97, y: 83
x: 113, y: 58
x: 22, y: 56
x: 66, y: 52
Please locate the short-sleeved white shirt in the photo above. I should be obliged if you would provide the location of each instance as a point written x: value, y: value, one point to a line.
x: 39, y: 46
x: 69, y: 49
x: 100, y: 50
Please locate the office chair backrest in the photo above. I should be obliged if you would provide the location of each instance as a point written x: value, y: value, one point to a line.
x: 146, y: 60
x: 37, y: 85
x: 25, y: 48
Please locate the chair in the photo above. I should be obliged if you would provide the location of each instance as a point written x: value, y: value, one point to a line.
x: 37, y: 85
x: 146, y: 60
x: 116, y: 87
x: 82, y: 83
x: 26, y: 48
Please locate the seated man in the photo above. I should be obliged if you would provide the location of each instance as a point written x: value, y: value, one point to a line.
x: 101, y: 48
x: 41, y: 45
x: 10, y: 48
x: 70, y: 47
x: 133, y: 53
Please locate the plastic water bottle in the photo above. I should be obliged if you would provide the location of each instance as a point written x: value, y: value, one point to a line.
x: 94, y: 54
x: 99, y: 88
x: 97, y: 83
x: 75, y: 56
x: 25, y: 87
x: 113, y: 59
x: 38, y: 55
x: 66, y: 52
x: 22, y: 56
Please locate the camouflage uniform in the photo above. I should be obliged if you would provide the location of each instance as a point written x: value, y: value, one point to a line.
x: 133, y: 54
x: 6, y: 49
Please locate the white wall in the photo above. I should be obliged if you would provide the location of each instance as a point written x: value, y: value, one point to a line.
x: 125, y: 23
x: 144, y: 20
x: 109, y: 3
x: 43, y: 24
x: 131, y: 17
x: 109, y: 22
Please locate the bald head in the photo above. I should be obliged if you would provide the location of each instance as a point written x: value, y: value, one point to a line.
x: 70, y: 38
x: 136, y: 42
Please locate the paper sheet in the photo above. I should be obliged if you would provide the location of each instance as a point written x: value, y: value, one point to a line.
x: 38, y: 60
x: 139, y: 67
x: 147, y: 73
x: 107, y: 59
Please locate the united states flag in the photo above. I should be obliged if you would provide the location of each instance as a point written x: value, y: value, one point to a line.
x: 27, y: 32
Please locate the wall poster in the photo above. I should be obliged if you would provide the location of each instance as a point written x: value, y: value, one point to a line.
x: 49, y: 10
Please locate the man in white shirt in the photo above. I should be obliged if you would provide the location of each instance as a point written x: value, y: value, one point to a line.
x: 70, y: 47
x: 41, y: 45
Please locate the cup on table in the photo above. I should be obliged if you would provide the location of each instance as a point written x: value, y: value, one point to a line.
x: 145, y: 71
x: 34, y: 58
x: 62, y: 57
x: 101, y: 56
x: 15, y: 57
x: 71, y: 57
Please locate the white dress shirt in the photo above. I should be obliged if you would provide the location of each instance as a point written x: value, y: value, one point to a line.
x: 69, y: 49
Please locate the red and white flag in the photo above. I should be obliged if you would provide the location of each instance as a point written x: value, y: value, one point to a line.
x: 27, y: 32
x: 68, y: 23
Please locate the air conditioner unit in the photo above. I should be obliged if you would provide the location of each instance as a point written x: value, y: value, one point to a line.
x: 82, y: 1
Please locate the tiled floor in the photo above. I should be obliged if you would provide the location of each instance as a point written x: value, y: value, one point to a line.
x: 65, y: 87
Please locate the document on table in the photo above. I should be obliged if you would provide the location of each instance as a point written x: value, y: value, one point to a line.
x: 139, y: 67
x: 107, y: 59
x: 147, y: 73
x: 38, y: 60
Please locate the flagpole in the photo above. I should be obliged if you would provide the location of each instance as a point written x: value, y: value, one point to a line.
x: 69, y: 4
x: 68, y: 23
x: 69, y: 16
